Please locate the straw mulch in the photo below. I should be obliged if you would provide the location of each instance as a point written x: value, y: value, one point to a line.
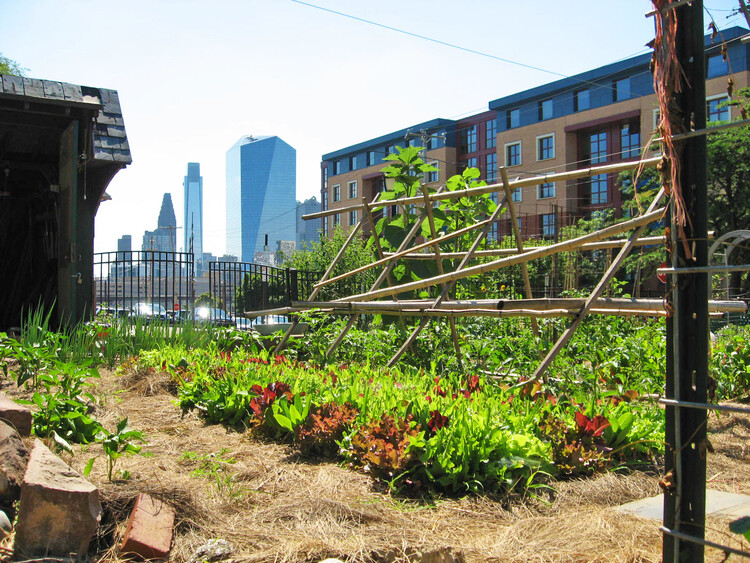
x: 273, y: 506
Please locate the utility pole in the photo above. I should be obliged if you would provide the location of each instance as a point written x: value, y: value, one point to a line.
x: 687, y: 328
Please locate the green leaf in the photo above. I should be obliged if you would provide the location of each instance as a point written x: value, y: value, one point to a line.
x: 89, y: 466
x: 284, y: 421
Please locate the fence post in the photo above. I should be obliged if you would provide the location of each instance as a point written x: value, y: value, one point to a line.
x: 293, y: 287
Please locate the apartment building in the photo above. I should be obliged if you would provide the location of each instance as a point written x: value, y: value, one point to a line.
x: 602, y: 116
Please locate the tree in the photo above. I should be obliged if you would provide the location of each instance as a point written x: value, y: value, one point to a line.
x: 9, y: 66
x: 729, y: 183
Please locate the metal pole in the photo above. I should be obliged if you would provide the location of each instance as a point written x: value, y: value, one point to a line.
x: 687, y: 330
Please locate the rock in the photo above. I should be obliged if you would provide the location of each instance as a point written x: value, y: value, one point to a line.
x: 149, y: 531
x: 16, y: 416
x: 5, y: 526
x: 213, y: 550
x: 13, y: 460
x: 59, y: 510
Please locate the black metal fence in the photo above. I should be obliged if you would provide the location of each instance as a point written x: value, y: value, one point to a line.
x: 243, y: 286
x: 125, y: 278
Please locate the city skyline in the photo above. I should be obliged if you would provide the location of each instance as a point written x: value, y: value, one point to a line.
x: 294, y: 79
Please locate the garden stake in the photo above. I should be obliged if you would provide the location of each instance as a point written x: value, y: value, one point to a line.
x: 439, y: 263
x: 519, y: 242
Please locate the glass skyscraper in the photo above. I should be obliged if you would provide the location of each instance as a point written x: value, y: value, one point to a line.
x: 261, y: 195
x: 193, y: 225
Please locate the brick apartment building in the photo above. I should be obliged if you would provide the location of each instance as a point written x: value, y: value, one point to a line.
x: 602, y: 116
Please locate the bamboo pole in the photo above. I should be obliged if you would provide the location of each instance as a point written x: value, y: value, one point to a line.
x: 396, y: 255
x: 449, y: 286
x: 339, y: 254
x: 541, y: 252
x: 602, y: 245
x: 597, y: 291
x: 536, y: 304
x: 439, y: 263
x: 533, y: 181
x: 519, y: 242
x: 479, y: 312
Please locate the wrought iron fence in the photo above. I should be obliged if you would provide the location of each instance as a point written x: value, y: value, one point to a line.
x: 238, y: 287
x: 125, y: 278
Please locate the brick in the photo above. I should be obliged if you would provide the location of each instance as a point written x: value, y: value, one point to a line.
x: 16, y: 416
x: 14, y: 458
x: 59, y: 510
x: 149, y: 530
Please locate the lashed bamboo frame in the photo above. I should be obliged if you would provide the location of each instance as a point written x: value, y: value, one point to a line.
x: 364, y: 303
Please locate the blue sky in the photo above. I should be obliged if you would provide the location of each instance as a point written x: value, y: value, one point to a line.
x: 193, y: 77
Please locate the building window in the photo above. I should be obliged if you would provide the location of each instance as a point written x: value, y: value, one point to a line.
x: 412, y: 142
x: 352, y: 163
x: 336, y: 193
x: 352, y: 217
x: 548, y: 225
x: 370, y: 158
x: 621, y: 89
x: 471, y: 162
x: 352, y: 189
x: 599, y: 189
x: 490, y: 134
x: 513, y: 118
x: 630, y: 140
x: 433, y: 175
x: 545, y: 190
x: 337, y: 219
x: 545, y: 147
x: 336, y: 167
x: 467, y: 140
x: 491, y: 167
x: 545, y: 110
x: 513, y: 154
x: 581, y: 100
x: 716, y: 65
x: 716, y: 113
x: 598, y: 147
x: 325, y: 200
x: 492, y: 235
x: 325, y: 176
x: 388, y: 149
x: 517, y: 195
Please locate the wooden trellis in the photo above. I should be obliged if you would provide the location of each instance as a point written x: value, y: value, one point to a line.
x: 385, y: 288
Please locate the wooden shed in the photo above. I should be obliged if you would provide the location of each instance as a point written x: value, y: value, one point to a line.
x: 60, y: 146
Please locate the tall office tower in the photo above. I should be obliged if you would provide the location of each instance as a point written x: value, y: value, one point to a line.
x: 261, y: 188
x: 164, y: 238
x: 307, y: 231
x: 193, y: 225
x: 125, y: 243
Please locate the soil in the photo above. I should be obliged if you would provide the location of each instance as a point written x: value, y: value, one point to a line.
x: 272, y: 505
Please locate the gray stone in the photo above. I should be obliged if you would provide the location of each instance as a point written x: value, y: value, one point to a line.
x: 59, y: 511
x: 13, y: 460
x: 213, y: 550
x: 718, y: 503
x: 5, y: 526
x: 16, y: 416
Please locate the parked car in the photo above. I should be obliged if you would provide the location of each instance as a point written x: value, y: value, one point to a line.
x: 213, y: 316
x: 116, y: 312
x: 150, y: 312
